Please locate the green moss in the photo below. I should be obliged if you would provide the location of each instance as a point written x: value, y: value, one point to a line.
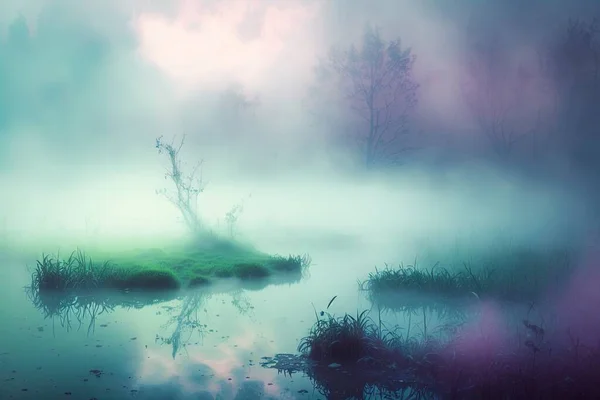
x: 161, y: 269
x: 249, y: 271
x: 148, y: 279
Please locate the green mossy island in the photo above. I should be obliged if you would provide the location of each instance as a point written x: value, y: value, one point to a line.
x: 206, y: 256
x: 160, y: 269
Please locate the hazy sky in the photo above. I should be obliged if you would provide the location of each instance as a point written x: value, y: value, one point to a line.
x: 136, y: 68
x: 87, y: 86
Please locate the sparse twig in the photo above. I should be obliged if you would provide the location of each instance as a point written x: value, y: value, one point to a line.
x: 187, y: 187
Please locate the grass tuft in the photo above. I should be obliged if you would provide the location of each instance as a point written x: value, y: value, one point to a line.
x: 250, y: 271
x: 350, y: 339
x: 344, y: 339
x: 80, y: 273
x: 524, y: 276
x: 190, y: 265
x: 468, y: 362
x: 290, y: 263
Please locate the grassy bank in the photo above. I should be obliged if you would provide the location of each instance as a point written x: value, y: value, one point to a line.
x: 159, y: 269
x: 522, y: 276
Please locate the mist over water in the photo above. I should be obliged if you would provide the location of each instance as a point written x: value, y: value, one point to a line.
x: 86, y: 88
x: 301, y: 213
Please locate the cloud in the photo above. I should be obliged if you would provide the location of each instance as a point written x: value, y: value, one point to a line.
x: 206, y: 47
x: 88, y: 85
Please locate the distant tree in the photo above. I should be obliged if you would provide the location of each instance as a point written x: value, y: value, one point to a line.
x: 19, y: 36
x: 15, y: 52
x: 495, y: 90
x: 46, y: 74
x: 573, y: 62
x: 376, y: 81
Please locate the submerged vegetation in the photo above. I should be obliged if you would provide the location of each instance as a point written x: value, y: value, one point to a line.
x: 349, y: 356
x: 354, y: 356
x: 348, y: 339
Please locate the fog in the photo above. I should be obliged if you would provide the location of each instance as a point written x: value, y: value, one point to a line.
x: 87, y: 87
x: 356, y: 133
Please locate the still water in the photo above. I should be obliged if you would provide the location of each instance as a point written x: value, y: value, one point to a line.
x: 203, y: 344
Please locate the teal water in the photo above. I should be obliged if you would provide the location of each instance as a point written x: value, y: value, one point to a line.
x: 204, y: 344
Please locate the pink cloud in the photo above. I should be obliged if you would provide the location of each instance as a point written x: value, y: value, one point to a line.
x: 223, y: 360
x: 203, y: 46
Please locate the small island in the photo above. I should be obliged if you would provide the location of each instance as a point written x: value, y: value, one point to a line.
x: 157, y: 269
x: 201, y: 259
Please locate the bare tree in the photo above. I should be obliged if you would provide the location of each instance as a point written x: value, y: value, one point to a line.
x: 376, y: 80
x: 187, y: 187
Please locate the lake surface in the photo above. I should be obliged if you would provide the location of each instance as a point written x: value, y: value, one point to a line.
x: 205, y: 344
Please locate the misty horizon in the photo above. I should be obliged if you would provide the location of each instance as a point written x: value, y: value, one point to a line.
x: 389, y: 196
x: 88, y: 89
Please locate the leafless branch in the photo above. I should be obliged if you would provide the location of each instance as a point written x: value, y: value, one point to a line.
x: 187, y: 187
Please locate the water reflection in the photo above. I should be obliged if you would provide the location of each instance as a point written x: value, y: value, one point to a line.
x: 202, y: 344
x: 338, y: 383
x: 408, y: 302
x: 80, y: 308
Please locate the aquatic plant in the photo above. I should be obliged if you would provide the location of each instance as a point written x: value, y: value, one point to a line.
x: 477, y: 360
x: 351, y: 339
x: 290, y: 263
x: 523, y: 276
x: 79, y: 273
x: 353, y: 356
x: 75, y: 272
